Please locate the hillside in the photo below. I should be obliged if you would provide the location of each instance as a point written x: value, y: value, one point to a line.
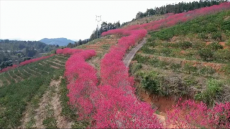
x: 178, y: 79
x: 28, y: 84
x: 57, y: 41
x: 182, y: 62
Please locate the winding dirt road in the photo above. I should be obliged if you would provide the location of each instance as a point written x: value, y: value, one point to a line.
x: 127, y: 60
x: 131, y: 54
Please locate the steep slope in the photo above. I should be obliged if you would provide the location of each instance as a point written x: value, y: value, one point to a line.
x: 190, y: 59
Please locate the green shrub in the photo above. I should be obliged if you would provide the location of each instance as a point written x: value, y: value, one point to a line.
x: 166, y: 51
x: 228, y: 43
x: 185, y: 45
x: 135, y: 67
x: 198, y: 45
x: 206, y: 54
x: 226, y: 69
x: 217, y: 36
x: 151, y: 43
x: 202, y: 35
x: 211, y: 92
x: 50, y: 122
x: 188, y: 68
x: 162, y: 64
x: 146, y: 50
x: 215, y: 46
x: 190, y: 81
x: 207, y: 70
x: 153, y: 61
x: 211, y: 28
x: 222, y: 55
x: 140, y: 58
x: 225, y: 25
x: 149, y: 83
x: 175, y: 67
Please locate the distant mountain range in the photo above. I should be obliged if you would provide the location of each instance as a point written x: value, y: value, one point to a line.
x: 57, y: 41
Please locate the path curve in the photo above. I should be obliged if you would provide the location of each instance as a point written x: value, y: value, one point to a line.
x: 132, y: 53
x: 127, y: 60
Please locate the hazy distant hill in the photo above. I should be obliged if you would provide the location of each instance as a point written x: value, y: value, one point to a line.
x: 57, y: 41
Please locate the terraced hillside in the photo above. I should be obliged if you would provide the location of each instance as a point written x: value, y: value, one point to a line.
x: 22, y: 89
x: 189, y: 60
x: 80, y: 88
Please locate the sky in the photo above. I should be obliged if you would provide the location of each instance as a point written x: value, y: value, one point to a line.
x: 72, y: 19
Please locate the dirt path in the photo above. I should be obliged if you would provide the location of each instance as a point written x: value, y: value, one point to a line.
x: 49, y: 109
x: 62, y: 122
x: 132, y: 53
x: 127, y: 61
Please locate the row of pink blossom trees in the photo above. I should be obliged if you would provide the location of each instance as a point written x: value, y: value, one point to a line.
x: 26, y: 62
x: 82, y: 80
x: 115, y: 78
x: 119, y: 107
x: 112, y: 103
x: 191, y: 114
x: 173, y: 19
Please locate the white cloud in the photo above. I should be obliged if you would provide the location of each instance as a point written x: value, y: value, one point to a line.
x: 34, y: 20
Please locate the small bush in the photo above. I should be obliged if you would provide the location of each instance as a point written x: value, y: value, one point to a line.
x: 146, y: 50
x: 154, y: 62
x: 228, y: 43
x: 175, y: 67
x: 185, y: 45
x: 136, y: 67
x: 151, y: 44
x: 198, y: 45
x: 210, y: 93
x: 149, y: 83
x: 206, y: 54
x: 222, y: 55
x: 166, y: 51
x: 202, y: 36
x: 226, y: 69
x: 188, y: 68
x: 215, y: 46
x: 217, y: 36
x: 140, y: 58
x: 207, y: 70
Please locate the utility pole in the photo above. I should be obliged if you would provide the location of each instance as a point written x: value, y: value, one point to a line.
x: 98, y: 19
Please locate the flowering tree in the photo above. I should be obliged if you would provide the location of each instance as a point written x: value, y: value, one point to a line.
x: 191, y: 114
x: 113, y: 103
x: 82, y: 80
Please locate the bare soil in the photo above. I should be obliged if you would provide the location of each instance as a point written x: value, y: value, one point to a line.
x: 50, y: 100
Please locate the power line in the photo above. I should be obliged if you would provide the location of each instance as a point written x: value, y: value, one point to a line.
x: 98, y: 19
